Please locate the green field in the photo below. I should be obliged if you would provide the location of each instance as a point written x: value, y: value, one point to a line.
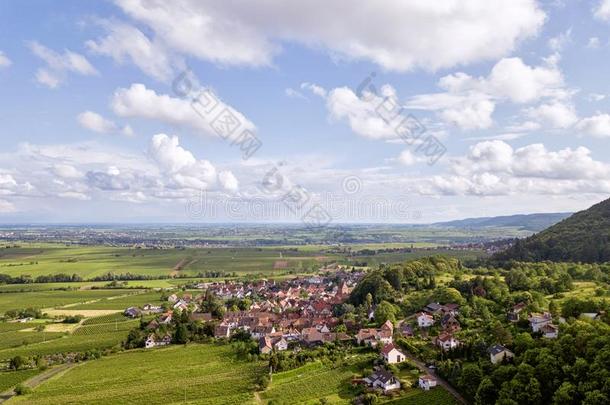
x: 49, y: 299
x: 8, y: 379
x: 436, y: 396
x: 121, y: 303
x: 203, y: 374
x: 19, y: 338
x: 66, y: 344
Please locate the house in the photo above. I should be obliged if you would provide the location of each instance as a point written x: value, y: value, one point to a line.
x: 280, y: 344
x: 549, y: 331
x: 222, y: 331
x: 392, y: 355
x: 264, y: 345
x: 433, y: 308
x: 448, y: 322
x: 537, y: 321
x: 153, y: 341
x: 172, y: 298
x: 372, y: 337
x: 383, y: 379
x: 166, y: 318
x: 200, y: 316
x: 513, y: 314
x: 446, y: 341
x: 426, y: 382
x: 424, y: 320
x: 590, y: 315
x: 498, y: 353
x: 132, y: 312
x: 406, y: 330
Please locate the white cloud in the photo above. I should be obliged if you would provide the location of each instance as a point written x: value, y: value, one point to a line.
x: 6, y: 207
x: 361, y: 113
x: 397, y: 35
x: 127, y: 42
x: 314, y: 88
x: 408, y: 158
x: 557, y: 43
x: 602, y: 10
x: 66, y: 171
x: 555, y: 114
x: 469, y: 102
x: 495, y: 168
x: 184, y: 170
x: 58, y: 65
x: 292, y: 93
x: 597, y: 125
x: 593, y: 43
x: 74, y: 195
x: 4, y: 60
x: 95, y: 122
x: 138, y: 101
x: 596, y: 97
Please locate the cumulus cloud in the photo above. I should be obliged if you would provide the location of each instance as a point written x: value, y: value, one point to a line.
x: 58, y: 65
x: 95, y: 122
x: 556, y: 114
x: 4, y: 60
x: 184, y: 170
x: 597, y: 125
x: 396, y: 35
x: 124, y: 42
x: 141, y: 102
x: 469, y: 102
x: 495, y: 168
x: 602, y: 10
x: 6, y: 207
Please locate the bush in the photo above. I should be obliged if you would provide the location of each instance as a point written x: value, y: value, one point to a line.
x: 21, y: 389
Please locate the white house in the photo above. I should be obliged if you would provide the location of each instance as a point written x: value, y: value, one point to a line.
x: 281, y: 344
x: 446, y: 341
x: 426, y: 382
x: 152, y: 341
x: 392, y: 355
x: 537, y: 321
x: 550, y: 331
x: 497, y: 353
x: 425, y: 320
x: 383, y: 379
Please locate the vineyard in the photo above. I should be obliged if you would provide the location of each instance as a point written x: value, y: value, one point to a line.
x: 196, y: 374
x: 102, y: 328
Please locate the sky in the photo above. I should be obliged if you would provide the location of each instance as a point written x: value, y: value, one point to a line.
x: 388, y: 111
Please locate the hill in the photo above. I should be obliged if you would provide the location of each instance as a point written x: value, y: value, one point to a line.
x: 582, y: 237
x: 529, y: 222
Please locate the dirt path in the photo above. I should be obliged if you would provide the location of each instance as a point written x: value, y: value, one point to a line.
x: 439, y: 380
x: 38, y: 379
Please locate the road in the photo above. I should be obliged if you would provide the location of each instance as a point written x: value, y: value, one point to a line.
x: 439, y: 380
x: 37, y: 380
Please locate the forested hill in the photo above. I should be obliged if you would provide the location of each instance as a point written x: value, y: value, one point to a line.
x: 530, y: 222
x: 583, y: 237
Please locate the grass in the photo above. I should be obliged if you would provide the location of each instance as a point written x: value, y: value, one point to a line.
x: 9, y: 379
x: 436, y: 396
x: 204, y: 374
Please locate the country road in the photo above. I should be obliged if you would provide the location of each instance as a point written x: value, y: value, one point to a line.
x: 37, y: 380
x: 439, y: 380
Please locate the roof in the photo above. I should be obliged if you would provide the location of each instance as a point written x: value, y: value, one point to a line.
x: 427, y: 377
x: 497, y: 349
x: 388, y: 348
x: 382, y: 375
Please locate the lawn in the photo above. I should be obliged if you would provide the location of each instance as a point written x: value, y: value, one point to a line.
x: 436, y: 396
x: 203, y: 374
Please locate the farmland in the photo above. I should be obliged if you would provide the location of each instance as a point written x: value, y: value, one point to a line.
x: 48, y: 299
x: 203, y: 374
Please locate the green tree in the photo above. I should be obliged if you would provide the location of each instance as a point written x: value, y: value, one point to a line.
x: 486, y: 393
x: 385, y: 312
x: 469, y: 379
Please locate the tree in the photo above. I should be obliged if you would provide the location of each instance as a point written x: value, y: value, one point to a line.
x: 385, y: 312
x: 469, y: 379
x: 595, y: 397
x: 181, y: 334
x: 565, y: 394
x: 17, y: 362
x: 487, y: 393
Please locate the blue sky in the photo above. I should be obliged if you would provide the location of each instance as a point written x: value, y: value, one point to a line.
x: 515, y: 92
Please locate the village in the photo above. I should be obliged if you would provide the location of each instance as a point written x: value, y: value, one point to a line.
x: 302, y: 313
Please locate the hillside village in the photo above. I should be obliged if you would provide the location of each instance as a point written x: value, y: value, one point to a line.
x: 307, y: 312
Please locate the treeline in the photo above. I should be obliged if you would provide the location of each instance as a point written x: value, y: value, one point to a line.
x: 53, y: 278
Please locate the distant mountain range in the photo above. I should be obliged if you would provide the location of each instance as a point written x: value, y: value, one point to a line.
x: 529, y: 222
x: 583, y: 237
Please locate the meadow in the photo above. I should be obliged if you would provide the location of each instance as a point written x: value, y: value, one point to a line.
x: 9, y: 379
x: 195, y: 374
